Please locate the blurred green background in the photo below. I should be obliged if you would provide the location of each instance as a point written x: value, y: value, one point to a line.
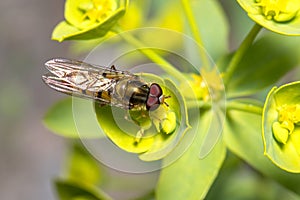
x: 30, y: 155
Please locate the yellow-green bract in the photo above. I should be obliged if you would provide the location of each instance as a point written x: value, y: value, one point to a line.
x: 281, y: 130
x: 151, y: 134
x: 281, y: 16
x: 88, y: 19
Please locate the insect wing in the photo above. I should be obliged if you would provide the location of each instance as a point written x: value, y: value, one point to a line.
x: 81, y: 79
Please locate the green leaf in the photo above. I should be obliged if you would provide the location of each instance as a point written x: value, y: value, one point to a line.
x: 284, y: 149
x: 73, y: 118
x: 68, y: 190
x: 240, y: 23
x: 65, y: 31
x: 190, y: 177
x: 214, y: 31
x: 242, y: 135
x: 59, y: 119
x: 242, y: 182
x: 265, y: 62
x: 82, y: 167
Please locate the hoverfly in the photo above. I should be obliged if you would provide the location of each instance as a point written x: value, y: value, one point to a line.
x: 107, y: 86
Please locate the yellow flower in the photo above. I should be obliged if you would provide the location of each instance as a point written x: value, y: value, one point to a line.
x: 279, y: 10
x: 99, y: 10
x: 288, y: 117
x: 281, y: 130
x: 89, y: 19
x: 280, y: 16
x: 198, y: 85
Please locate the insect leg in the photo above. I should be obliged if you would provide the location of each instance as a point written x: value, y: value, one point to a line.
x: 139, y: 135
x: 113, y: 68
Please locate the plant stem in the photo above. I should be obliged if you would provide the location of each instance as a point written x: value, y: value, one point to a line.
x: 195, y: 31
x: 233, y: 105
x: 199, y: 103
x: 238, y: 55
x: 152, y: 55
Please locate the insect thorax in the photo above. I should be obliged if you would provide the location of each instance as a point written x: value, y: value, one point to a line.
x: 131, y: 93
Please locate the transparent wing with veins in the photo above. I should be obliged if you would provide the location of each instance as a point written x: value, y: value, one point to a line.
x: 81, y: 79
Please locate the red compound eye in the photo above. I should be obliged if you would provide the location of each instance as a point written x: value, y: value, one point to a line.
x: 153, y: 100
x: 152, y: 103
x: 155, y: 90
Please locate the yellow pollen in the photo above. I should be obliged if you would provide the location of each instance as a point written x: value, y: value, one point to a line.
x: 100, y: 10
x: 289, y: 116
x: 279, y: 10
